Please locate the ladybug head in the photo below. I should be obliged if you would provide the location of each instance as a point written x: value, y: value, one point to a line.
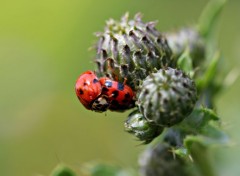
x: 101, y: 104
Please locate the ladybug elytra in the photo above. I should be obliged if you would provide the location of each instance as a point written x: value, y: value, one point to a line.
x: 120, y: 95
x: 88, y: 88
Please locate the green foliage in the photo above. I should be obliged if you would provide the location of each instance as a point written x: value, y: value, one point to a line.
x: 62, y: 170
x: 100, y: 169
x: 209, y: 74
x: 185, y: 63
x: 209, y: 17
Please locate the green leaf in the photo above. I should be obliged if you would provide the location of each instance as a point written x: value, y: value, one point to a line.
x: 215, y: 135
x: 213, y: 138
x: 200, y: 154
x: 185, y: 62
x: 62, y: 170
x: 230, y: 79
x: 207, y: 25
x: 209, y: 134
x: 209, y: 16
x: 100, y: 169
x: 183, y: 152
x: 197, y: 120
x: 209, y: 74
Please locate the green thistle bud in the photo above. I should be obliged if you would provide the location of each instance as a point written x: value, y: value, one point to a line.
x: 187, y: 38
x: 160, y: 161
x: 130, y: 50
x: 145, y: 131
x: 167, y: 97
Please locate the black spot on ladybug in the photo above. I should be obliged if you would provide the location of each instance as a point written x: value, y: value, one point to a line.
x: 81, y: 91
x: 124, y: 100
x: 127, y: 95
x: 84, y: 83
x: 114, y: 103
x: 108, y: 83
x: 95, y: 80
x: 105, y: 90
x: 115, y: 94
x: 120, y: 86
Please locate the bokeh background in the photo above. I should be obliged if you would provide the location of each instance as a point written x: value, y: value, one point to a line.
x: 43, y: 49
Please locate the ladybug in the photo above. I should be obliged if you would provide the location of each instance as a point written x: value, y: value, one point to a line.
x: 88, y: 90
x: 120, y: 96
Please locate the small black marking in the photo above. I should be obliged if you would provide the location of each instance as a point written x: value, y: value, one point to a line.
x: 84, y: 83
x: 124, y: 100
x: 120, y: 86
x: 127, y: 95
x: 104, y: 90
x: 81, y: 91
x: 114, y: 103
x: 108, y: 83
x: 115, y: 94
x: 95, y: 80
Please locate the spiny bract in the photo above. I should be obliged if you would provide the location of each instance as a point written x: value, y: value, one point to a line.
x: 167, y: 97
x: 130, y: 50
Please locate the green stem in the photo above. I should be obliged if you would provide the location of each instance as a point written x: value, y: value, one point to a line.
x: 202, y: 158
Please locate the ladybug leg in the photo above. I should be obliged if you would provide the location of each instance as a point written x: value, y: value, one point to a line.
x: 125, y: 81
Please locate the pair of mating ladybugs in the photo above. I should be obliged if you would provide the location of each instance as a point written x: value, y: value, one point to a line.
x: 100, y: 94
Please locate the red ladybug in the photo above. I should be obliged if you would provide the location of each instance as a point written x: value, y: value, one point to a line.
x: 88, y: 88
x: 104, y: 93
x: 120, y: 96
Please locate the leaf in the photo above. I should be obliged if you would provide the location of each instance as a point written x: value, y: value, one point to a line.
x: 211, y: 136
x: 185, y: 62
x: 200, y: 154
x: 62, y: 170
x: 209, y: 74
x: 183, y: 152
x: 209, y: 16
x: 100, y: 169
x: 230, y: 79
x: 207, y: 25
x: 197, y: 120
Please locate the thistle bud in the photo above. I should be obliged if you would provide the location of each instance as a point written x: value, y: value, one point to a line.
x: 130, y: 50
x: 145, y: 131
x: 167, y: 97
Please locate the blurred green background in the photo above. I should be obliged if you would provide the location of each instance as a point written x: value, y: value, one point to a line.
x: 43, y: 49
